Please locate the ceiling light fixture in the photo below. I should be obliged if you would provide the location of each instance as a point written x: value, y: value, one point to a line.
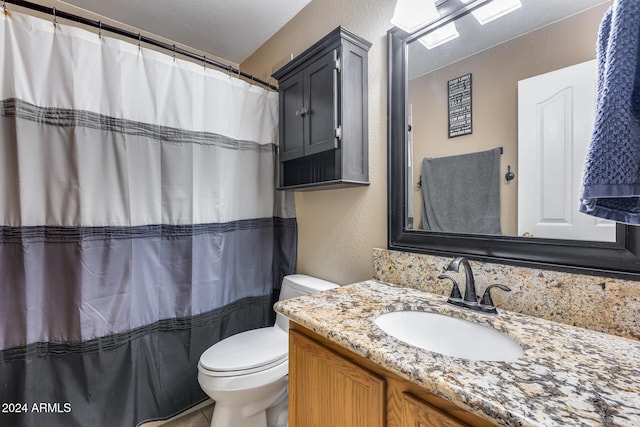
x: 411, y: 15
x: 494, y: 9
x: 440, y: 36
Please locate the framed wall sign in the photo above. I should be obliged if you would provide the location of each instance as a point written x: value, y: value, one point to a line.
x: 459, y: 90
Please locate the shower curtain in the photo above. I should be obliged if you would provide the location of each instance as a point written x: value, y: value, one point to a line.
x: 139, y: 224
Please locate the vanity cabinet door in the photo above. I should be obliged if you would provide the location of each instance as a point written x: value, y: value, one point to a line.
x: 417, y: 413
x: 326, y: 389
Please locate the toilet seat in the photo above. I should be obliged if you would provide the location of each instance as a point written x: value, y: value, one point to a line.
x: 211, y: 381
x: 246, y: 353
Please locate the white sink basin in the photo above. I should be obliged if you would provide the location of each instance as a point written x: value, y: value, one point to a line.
x: 449, y: 335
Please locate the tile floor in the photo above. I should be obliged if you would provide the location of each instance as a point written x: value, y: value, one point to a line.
x: 198, y: 416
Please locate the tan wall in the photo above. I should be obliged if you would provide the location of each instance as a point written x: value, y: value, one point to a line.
x: 495, y: 74
x: 339, y: 228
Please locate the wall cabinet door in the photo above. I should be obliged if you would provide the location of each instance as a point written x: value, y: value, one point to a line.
x: 291, y: 121
x: 321, y: 83
x: 309, y: 110
x: 326, y: 389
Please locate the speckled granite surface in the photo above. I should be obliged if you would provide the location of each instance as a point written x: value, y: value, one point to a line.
x: 599, y: 303
x: 567, y: 376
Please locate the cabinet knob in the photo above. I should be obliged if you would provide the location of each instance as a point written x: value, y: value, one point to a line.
x: 302, y: 112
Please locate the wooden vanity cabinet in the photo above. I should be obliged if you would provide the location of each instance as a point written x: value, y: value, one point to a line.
x: 328, y: 390
x: 331, y: 386
x: 417, y: 413
x: 323, y: 114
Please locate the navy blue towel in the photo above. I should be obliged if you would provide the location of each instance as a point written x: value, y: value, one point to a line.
x: 611, y: 183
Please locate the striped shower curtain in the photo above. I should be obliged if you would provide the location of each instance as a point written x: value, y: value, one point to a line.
x: 139, y: 224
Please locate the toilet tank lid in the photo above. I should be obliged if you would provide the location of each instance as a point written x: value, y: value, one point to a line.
x: 247, y: 350
x: 307, y: 284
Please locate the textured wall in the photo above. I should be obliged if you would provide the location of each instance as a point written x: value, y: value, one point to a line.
x: 338, y: 228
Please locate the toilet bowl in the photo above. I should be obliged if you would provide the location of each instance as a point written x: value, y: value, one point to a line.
x: 246, y: 374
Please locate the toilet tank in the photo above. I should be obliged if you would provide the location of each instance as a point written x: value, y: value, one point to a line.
x: 296, y: 285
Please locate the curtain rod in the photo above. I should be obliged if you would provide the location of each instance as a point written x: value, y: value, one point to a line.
x: 136, y: 36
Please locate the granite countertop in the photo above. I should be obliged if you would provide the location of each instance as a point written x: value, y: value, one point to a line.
x: 567, y: 376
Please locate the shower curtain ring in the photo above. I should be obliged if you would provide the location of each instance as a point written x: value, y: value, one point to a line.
x: 174, y: 52
x: 139, y: 41
x: 55, y: 18
x: 204, y: 62
x: 230, y: 71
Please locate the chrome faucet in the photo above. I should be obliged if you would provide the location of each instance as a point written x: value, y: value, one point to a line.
x: 470, y: 299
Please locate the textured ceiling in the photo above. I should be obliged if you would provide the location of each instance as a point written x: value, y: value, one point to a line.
x: 228, y: 29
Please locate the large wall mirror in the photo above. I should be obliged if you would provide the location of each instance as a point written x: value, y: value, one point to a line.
x: 516, y: 96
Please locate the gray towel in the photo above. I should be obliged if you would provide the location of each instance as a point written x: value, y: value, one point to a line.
x: 611, y: 183
x: 461, y: 193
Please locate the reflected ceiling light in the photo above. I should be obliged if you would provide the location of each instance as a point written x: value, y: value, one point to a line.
x: 411, y: 15
x: 494, y: 9
x: 440, y: 36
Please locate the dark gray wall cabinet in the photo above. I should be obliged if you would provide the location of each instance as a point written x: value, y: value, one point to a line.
x: 324, y: 114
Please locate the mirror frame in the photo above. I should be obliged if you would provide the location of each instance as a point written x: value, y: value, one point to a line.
x: 619, y: 259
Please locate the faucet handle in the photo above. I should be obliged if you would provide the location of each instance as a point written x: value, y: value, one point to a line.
x: 455, y: 290
x: 486, y: 303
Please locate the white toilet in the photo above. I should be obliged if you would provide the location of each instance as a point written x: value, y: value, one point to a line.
x: 246, y: 374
